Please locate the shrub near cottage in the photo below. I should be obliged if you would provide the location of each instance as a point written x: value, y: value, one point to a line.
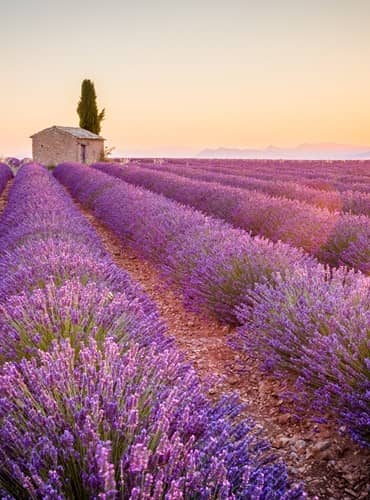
x: 100, y: 404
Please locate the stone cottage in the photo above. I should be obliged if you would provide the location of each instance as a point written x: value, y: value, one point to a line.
x: 56, y: 144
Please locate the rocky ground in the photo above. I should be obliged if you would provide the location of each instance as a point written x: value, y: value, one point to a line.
x: 4, y: 196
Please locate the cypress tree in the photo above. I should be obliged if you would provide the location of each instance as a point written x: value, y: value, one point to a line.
x: 87, y: 109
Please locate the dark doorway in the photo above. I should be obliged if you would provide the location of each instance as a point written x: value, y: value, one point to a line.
x: 83, y: 153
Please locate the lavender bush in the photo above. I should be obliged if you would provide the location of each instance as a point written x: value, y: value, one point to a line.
x: 321, y: 175
x: 50, y: 256
x: 317, y: 329
x: 103, y: 425
x: 74, y: 311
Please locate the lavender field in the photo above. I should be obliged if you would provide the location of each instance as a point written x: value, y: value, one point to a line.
x: 185, y: 250
x: 97, y: 398
x: 297, y: 314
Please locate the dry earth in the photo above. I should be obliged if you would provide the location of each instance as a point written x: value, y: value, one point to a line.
x: 4, y: 196
x: 330, y: 465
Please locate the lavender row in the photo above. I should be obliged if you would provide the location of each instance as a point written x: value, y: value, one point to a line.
x: 96, y: 402
x: 319, y: 180
x: 343, y: 169
x: 347, y: 172
x: 320, y: 175
x: 335, y: 239
x: 49, y: 255
x: 5, y: 176
x: 295, y: 314
x: 356, y: 203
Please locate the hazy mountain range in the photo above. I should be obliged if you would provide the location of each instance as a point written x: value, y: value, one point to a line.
x: 322, y: 151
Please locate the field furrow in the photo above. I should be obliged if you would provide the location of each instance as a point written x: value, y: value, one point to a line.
x: 5, y: 176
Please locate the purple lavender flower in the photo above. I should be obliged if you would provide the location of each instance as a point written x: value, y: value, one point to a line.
x: 211, y: 261
x: 345, y: 201
x: 317, y: 329
x: 66, y: 430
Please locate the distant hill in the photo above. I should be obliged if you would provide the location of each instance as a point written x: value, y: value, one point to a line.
x: 321, y: 151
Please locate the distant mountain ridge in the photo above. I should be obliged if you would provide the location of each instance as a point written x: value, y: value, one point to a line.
x: 320, y: 151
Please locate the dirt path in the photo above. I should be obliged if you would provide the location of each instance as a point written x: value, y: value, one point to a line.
x: 331, y: 466
x: 4, y: 196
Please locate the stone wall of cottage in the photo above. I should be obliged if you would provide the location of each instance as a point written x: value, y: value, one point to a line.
x: 94, y: 150
x: 52, y: 146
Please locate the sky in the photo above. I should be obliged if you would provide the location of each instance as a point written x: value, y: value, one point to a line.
x: 179, y: 76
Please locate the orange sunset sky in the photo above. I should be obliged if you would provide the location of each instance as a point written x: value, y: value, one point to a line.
x: 179, y: 76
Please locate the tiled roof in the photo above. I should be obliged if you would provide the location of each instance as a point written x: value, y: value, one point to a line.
x: 81, y: 133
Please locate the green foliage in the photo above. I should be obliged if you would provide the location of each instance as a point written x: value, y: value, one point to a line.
x: 106, y: 153
x: 87, y: 109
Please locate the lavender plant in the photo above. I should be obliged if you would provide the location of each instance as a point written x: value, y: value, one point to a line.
x: 78, y: 312
x: 102, y: 425
x: 321, y: 175
x: 55, y: 259
x: 319, y: 330
x: 344, y: 201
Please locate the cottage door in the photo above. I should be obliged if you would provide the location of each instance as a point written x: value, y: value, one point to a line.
x: 83, y: 153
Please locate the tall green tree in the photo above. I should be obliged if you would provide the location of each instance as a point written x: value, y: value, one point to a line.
x: 87, y: 109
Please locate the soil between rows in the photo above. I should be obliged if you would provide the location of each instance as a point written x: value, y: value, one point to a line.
x: 4, y: 196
